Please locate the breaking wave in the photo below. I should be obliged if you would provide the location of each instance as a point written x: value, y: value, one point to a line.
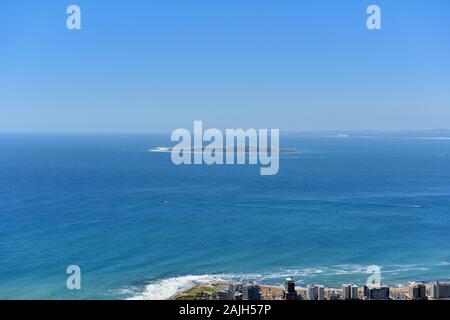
x: 166, y: 288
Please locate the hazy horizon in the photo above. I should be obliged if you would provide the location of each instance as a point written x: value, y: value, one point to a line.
x: 282, y: 132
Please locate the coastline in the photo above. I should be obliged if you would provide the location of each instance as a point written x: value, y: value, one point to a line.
x: 268, y: 292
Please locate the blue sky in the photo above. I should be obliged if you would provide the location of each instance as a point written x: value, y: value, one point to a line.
x: 153, y: 66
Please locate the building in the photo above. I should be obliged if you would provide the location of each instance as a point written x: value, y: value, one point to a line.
x: 350, y: 292
x: 241, y: 292
x: 365, y: 292
x: 417, y: 291
x: 346, y: 292
x: 376, y: 293
x: 253, y: 292
x: 289, y: 292
x: 440, y: 290
x: 315, y: 292
x: 320, y: 293
x: 354, y: 292
x: 225, y: 295
x: 312, y: 292
x: 243, y: 289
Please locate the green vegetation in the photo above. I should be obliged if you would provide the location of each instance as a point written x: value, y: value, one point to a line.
x: 198, y: 293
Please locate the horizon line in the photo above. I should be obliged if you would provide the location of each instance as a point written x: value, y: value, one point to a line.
x: 281, y: 131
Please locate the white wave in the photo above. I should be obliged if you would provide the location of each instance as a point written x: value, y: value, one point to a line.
x: 306, y: 272
x: 417, y: 206
x: 166, y: 288
x: 160, y: 149
x: 406, y: 269
x: 434, y: 138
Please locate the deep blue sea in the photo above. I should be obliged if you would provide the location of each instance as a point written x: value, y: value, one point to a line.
x: 140, y: 227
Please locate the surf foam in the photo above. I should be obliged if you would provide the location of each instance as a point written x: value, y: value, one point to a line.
x: 166, y: 288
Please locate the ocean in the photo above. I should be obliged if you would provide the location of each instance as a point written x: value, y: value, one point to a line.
x: 140, y: 227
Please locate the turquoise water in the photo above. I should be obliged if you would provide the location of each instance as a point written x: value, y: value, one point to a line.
x: 140, y: 227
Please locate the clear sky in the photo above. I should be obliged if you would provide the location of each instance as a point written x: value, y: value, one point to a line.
x: 153, y: 66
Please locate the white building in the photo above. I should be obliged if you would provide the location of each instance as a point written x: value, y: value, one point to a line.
x: 354, y: 292
x: 440, y: 290
x: 315, y: 292
x: 312, y: 292
x: 346, y: 292
x: 350, y: 292
x: 320, y: 293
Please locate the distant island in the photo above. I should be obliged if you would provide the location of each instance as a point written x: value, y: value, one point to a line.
x: 225, y: 150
